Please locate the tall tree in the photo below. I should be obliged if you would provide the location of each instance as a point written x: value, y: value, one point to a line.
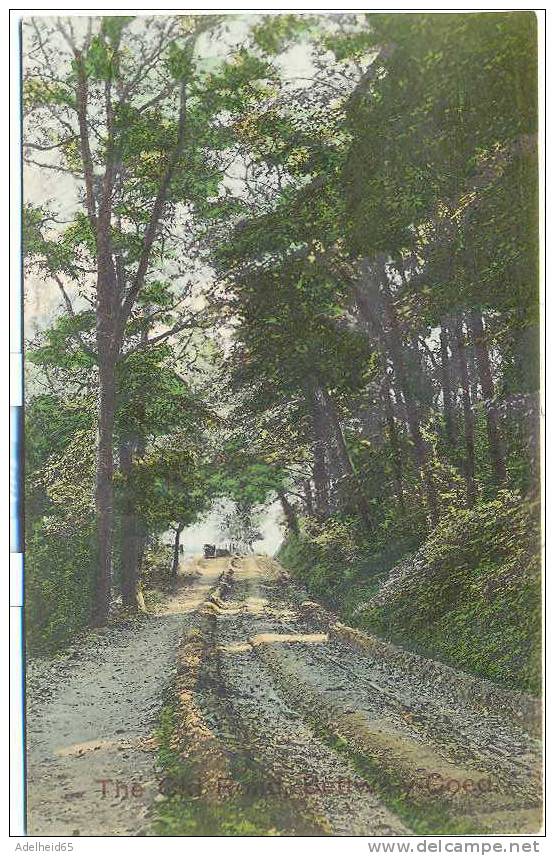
x: 461, y: 348
x: 123, y: 106
x: 479, y: 341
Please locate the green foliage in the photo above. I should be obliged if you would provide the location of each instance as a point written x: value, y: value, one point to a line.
x: 240, y: 82
x: 61, y: 349
x: 113, y: 26
x: 38, y: 92
x: 154, y: 573
x: 50, y: 422
x: 179, y: 61
x: 53, y: 254
x: 477, y: 603
x: 99, y: 60
x: 159, y: 413
x: 242, y: 477
x: 339, y: 561
x: 59, y: 523
x: 59, y: 581
x: 276, y: 32
x: 474, y: 599
x: 454, y: 109
x: 58, y: 459
x: 68, y: 481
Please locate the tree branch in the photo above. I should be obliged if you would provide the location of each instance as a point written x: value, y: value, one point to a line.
x: 86, y: 157
x: 40, y: 148
x: 53, y: 167
x: 150, y: 233
x: 71, y: 313
x: 161, y: 337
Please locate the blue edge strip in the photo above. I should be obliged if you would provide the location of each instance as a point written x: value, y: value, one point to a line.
x: 17, y: 547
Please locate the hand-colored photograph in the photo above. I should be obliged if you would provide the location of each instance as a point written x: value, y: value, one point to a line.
x: 282, y: 459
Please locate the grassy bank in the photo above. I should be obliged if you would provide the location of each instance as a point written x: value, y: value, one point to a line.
x: 470, y: 595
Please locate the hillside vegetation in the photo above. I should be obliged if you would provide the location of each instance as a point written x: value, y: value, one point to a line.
x: 311, y: 286
x: 468, y: 596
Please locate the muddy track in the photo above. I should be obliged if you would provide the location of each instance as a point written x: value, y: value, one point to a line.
x: 248, y: 713
x: 420, y: 741
x: 338, y: 732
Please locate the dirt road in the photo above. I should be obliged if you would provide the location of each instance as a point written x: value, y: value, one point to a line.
x: 91, y: 715
x: 355, y: 736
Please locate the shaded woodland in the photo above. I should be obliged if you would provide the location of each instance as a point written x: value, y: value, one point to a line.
x: 301, y: 267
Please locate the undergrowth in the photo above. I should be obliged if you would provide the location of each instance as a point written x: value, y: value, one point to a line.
x: 473, y: 599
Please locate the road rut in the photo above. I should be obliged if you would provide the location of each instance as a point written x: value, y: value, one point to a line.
x: 355, y: 742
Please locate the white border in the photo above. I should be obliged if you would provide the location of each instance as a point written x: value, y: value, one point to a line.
x: 234, y: 845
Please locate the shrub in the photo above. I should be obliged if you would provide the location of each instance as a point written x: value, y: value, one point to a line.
x: 470, y: 595
x: 59, y: 574
x: 478, y: 603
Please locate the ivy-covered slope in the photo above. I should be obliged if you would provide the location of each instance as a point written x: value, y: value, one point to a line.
x: 469, y: 596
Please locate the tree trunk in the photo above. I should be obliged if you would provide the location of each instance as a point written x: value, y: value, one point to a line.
x: 320, y: 474
x: 393, y: 342
x: 104, y: 494
x: 308, y: 497
x: 446, y: 388
x: 320, y: 478
x: 483, y: 364
x: 175, y: 561
x: 421, y: 457
x: 112, y: 308
x: 332, y: 466
x: 348, y: 470
x: 289, y: 513
x: 336, y: 470
x: 129, y: 560
x: 142, y: 539
x: 462, y: 363
x: 472, y: 372
x: 394, y: 444
x: 129, y: 531
x: 108, y: 333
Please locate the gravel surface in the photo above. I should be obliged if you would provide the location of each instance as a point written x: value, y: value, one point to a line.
x: 90, y: 716
x: 269, y: 680
x: 298, y: 762
x: 422, y: 735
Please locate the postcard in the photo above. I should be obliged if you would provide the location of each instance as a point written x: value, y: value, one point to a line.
x: 281, y: 424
